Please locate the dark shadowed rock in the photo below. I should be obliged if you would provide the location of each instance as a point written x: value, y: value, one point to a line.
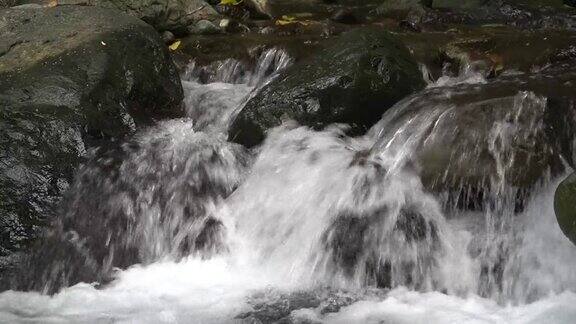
x: 353, y: 81
x: 345, y: 16
x: 70, y: 78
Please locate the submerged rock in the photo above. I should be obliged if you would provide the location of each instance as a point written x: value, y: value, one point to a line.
x: 353, y: 81
x: 147, y: 199
x: 70, y: 78
x: 565, y: 207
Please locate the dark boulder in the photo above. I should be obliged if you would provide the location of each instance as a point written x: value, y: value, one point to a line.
x: 353, y: 81
x: 70, y: 78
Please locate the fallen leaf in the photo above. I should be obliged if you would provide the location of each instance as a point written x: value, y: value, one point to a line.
x: 286, y: 20
x: 174, y: 45
x: 230, y: 2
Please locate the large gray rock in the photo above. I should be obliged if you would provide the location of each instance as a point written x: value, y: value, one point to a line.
x: 174, y: 15
x: 70, y: 78
x: 177, y: 16
x: 353, y: 81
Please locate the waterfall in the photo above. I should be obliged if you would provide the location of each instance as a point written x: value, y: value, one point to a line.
x: 180, y: 225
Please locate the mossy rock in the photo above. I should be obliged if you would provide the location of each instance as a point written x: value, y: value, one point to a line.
x: 565, y: 207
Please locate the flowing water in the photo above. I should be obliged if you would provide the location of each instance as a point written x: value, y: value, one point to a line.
x: 311, y: 227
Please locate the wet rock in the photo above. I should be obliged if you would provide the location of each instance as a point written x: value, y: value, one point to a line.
x: 403, y: 8
x: 345, y: 16
x: 457, y: 3
x: 148, y: 198
x: 267, y: 30
x: 352, y: 81
x: 565, y: 207
x: 70, y: 78
x: 173, y: 15
x: 7, y: 3
x: 272, y: 306
x: 511, y: 132
x: 358, y: 248
x: 164, y: 15
x: 278, y: 8
x: 168, y: 37
x: 205, y: 27
x: 526, y: 14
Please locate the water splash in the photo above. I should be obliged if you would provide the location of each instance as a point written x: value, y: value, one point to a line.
x: 235, y: 71
x: 315, y: 226
x: 214, y: 94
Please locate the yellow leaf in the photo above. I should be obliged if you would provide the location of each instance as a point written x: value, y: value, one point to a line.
x: 53, y: 3
x: 230, y: 2
x: 174, y: 45
x: 286, y: 20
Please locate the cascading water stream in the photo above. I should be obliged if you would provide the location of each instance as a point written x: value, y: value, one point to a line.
x: 314, y: 226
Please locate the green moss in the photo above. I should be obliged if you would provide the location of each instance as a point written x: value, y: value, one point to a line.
x: 565, y: 206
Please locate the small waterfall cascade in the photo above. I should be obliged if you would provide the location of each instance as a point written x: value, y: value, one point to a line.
x: 351, y: 228
x: 216, y: 92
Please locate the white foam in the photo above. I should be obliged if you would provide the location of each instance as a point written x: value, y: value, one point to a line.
x: 404, y: 306
x: 209, y: 291
x: 215, y: 291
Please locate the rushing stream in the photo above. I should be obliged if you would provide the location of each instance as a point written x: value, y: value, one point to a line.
x: 311, y: 227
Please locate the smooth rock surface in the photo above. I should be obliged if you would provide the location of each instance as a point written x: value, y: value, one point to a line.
x: 71, y: 78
